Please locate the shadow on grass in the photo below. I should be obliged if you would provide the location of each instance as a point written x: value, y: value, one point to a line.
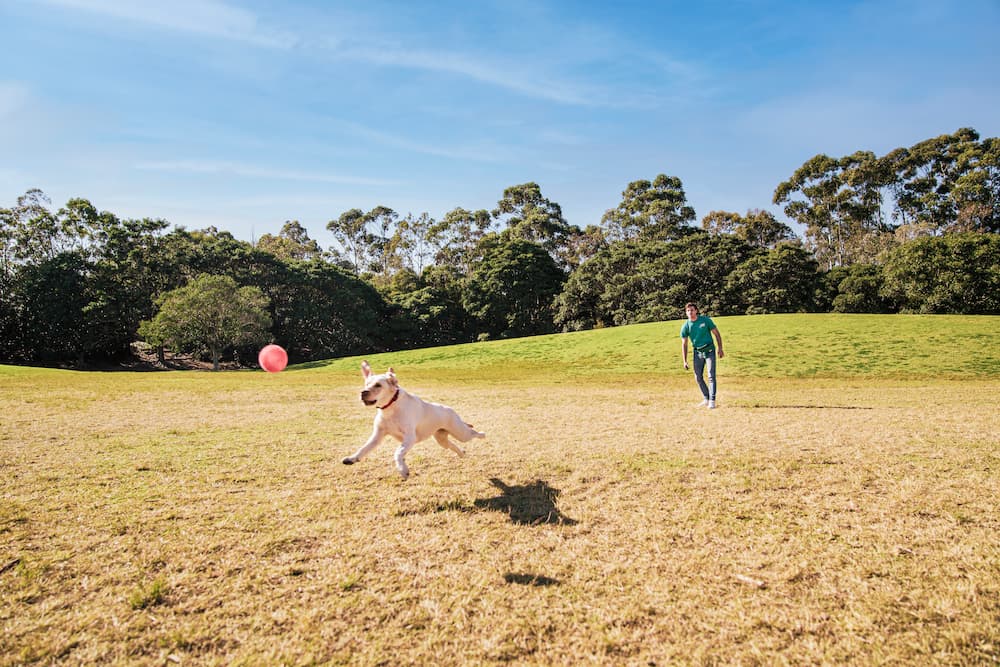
x: 529, y: 504
x: 808, y: 407
x: 526, y: 579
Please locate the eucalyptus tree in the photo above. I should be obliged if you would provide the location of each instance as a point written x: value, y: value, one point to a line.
x: 457, y: 235
x: 383, y: 240
x: 654, y: 210
x: 412, y: 240
x: 524, y: 213
x: 292, y: 242
x: 949, y: 183
x: 350, y: 230
x: 839, y: 201
x: 758, y: 227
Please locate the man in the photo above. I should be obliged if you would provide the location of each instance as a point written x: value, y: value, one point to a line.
x: 699, y: 329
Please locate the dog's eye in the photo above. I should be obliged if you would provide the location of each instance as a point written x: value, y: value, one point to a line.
x: 376, y: 385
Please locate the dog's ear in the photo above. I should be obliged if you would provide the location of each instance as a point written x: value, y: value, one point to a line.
x: 391, y: 375
x: 366, y: 370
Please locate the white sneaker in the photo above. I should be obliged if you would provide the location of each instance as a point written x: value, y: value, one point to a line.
x: 703, y: 403
x: 711, y: 405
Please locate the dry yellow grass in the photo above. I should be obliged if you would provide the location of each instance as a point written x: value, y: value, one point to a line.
x: 205, y: 519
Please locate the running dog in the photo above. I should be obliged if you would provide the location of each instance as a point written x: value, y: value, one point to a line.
x: 407, y: 418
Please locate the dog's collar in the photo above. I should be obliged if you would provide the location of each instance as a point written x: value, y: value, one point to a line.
x: 394, y: 397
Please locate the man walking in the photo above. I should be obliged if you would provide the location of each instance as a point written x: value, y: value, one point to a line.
x: 699, y: 329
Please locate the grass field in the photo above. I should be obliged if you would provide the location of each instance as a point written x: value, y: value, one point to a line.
x: 840, y: 507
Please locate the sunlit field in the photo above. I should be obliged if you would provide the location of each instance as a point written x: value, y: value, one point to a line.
x: 839, y: 507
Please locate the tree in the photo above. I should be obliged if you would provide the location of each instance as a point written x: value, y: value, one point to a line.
x: 859, y: 291
x: 413, y: 241
x: 210, y: 313
x: 323, y: 311
x: 781, y: 280
x: 949, y: 183
x: 457, y: 237
x: 383, y: 243
x: 292, y: 242
x: 759, y: 228
x: 512, y: 290
x: 645, y: 281
x: 955, y: 273
x: 529, y: 216
x: 351, y: 232
x: 839, y: 202
x: 721, y: 222
x: 652, y: 211
x: 48, y: 299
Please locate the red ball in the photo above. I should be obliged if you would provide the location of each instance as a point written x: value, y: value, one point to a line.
x: 273, y: 358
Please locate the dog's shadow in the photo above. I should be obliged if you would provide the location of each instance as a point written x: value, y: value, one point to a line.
x: 529, y: 505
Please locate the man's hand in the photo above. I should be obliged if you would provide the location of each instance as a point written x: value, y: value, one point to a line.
x: 686, y: 364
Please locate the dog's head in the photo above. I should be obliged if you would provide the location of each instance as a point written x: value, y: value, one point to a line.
x: 378, y: 388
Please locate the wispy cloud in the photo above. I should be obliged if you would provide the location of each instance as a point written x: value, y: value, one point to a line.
x: 491, y: 153
x: 253, y: 171
x: 509, y: 76
x: 200, y: 17
x: 13, y: 97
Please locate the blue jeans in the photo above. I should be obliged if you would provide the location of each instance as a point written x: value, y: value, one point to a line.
x: 703, y: 360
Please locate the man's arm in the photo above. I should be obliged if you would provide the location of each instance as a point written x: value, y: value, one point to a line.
x: 684, y: 351
x: 718, y: 342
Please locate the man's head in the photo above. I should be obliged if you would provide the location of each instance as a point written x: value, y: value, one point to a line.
x: 692, y: 310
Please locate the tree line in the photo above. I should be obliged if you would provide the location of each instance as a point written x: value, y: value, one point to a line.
x: 915, y: 230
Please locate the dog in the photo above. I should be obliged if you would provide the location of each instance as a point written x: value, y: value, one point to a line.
x: 407, y: 418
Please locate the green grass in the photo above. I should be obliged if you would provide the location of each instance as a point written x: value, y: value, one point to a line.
x: 838, y: 508
x: 821, y: 345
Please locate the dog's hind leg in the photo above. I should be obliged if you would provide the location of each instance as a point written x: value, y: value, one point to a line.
x: 442, y: 438
x: 462, y: 431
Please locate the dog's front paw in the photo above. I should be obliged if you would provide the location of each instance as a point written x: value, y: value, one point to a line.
x: 349, y: 460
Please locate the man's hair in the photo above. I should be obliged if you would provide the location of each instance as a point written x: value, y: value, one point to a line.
x: 690, y: 304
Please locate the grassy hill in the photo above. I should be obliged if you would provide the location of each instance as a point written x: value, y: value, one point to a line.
x: 820, y: 345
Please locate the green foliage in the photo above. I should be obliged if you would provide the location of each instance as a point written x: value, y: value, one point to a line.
x: 512, y: 290
x: 651, y: 211
x: 209, y: 313
x: 950, y: 182
x: 860, y: 291
x: 50, y: 298
x: 643, y: 281
x: 321, y: 311
x: 292, y: 242
x: 430, y: 310
x: 782, y: 280
x: 529, y: 216
x: 958, y: 273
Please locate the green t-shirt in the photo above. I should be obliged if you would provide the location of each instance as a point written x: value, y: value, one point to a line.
x: 700, y: 332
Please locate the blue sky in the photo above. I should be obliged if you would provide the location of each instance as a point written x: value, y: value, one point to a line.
x: 243, y: 114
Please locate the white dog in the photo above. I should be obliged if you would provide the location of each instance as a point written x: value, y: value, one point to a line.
x: 408, y: 419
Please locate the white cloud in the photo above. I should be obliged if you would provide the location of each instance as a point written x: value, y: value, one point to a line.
x: 13, y: 98
x: 252, y: 171
x: 200, y: 17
